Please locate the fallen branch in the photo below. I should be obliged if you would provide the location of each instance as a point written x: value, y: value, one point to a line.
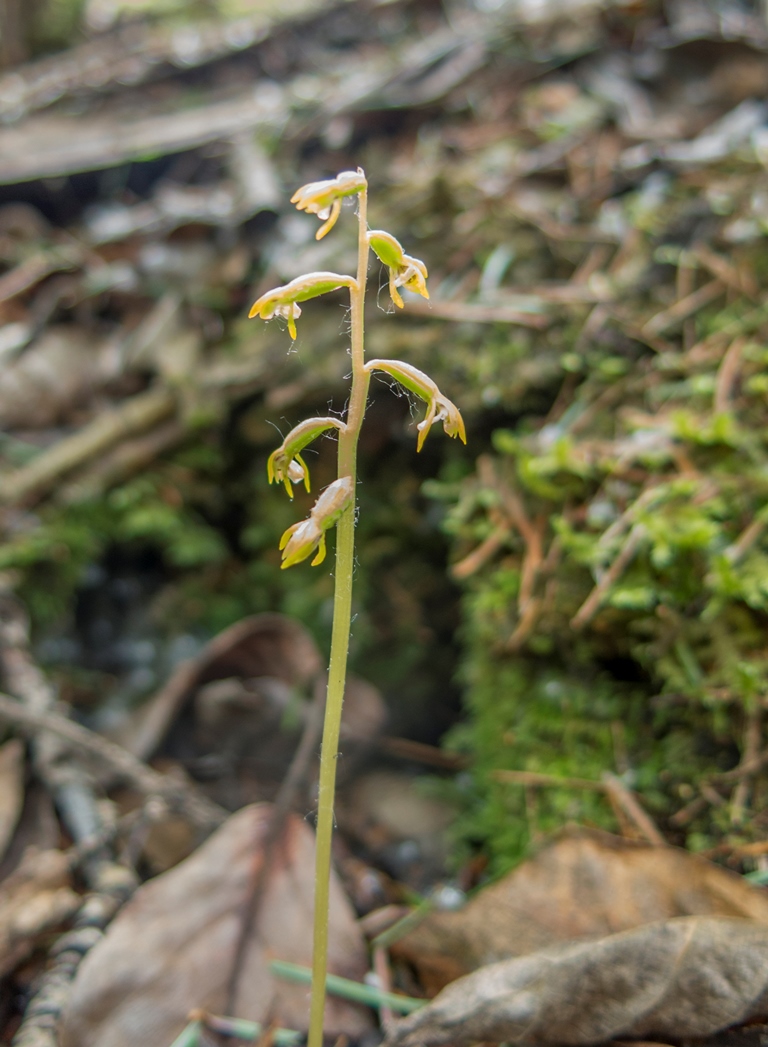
x: 131, y: 417
x: 42, y: 145
x: 131, y: 55
x: 203, y: 812
x: 125, y: 460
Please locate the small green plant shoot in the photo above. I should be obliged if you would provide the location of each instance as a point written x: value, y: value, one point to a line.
x: 336, y: 504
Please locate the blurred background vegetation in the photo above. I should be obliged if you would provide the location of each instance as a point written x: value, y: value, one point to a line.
x: 584, y: 588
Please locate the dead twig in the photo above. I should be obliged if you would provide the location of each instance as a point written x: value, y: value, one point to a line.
x: 753, y: 732
x: 383, y: 972
x: 532, y: 561
x: 420, y: 752
x: 128, y: 458
x: 746, y: 768
x: 525, y: 625
x: 595, y: 260
x: 480, y: 555
x: 726, y: 374
x: 682, y: 309
x: 629, y: 804
x: 741, y: 546
x: 41, y: 1018
x: 110, y: 883
x: 532, y: 533
x: 478, y: 313
x: 739, y: 280
x: 707, y: 796
x: 31, y: 271
x: 131, y: 417
x: 129, y: 55
x: 591, y: 605
x: 123, y: 765
x: 42, y: 145
x: 534, y: 778
x: 609, y: 785
x: 510, y: 503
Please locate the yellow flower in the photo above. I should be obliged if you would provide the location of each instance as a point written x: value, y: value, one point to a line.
x: 285, y: 470
x: 413, y: 276
x: 404, y: 269
x: 283, y: 301
x: 439, y: 407
x: 301, y: 539
x: 324, y: 198
x: 285, y: 465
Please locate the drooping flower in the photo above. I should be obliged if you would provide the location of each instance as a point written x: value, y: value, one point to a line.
x: 324, y: 198
x: 286, y: 465
x: 404, y: 269
x: 439, y: 407
x: 283, y: 301
x: 301, y: 539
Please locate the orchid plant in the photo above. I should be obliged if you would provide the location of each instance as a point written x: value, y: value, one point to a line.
x: 336, y: 504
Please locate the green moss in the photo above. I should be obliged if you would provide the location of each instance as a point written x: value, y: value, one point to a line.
x: 659, y: 499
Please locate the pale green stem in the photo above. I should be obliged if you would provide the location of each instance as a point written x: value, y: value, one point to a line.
x: 342, y: 620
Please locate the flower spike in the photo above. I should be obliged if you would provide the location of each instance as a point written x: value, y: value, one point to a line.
x: 285, y: 465
x: 404, y: 269
x: 324, y: 198
x: 306, y: 540
x: 301, y: 539
x: 439, y: 407
x: 283, y: 301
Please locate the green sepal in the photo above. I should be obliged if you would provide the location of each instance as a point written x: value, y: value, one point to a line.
x: 387, y: 248
x: 312, y: 285
x: 410, y: 377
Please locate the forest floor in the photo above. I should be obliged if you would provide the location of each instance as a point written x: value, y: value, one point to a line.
x: 560, y: 669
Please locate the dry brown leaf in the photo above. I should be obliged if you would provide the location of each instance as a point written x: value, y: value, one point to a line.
x: 680, y: 978
x: 11, y: 789
x: 584, y: 884
x: 237, y: 709
x: 171, y: 947
x: 35, y: 900
x: 265, y: 646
